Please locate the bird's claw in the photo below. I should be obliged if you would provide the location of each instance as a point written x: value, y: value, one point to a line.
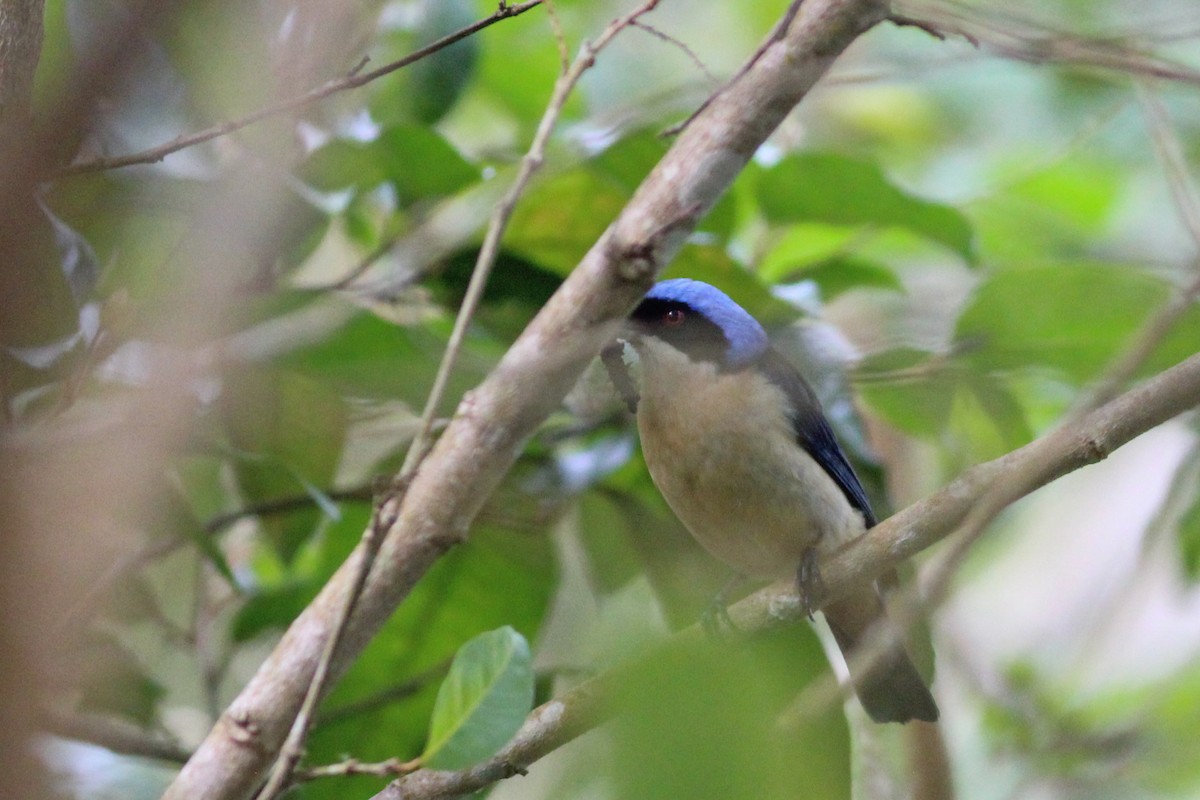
x: 809, y: 584
x: 715, y: 620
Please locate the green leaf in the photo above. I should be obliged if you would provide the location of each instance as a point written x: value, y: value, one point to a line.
x: 289, y: 430
x: 115, y: 683
x: 838, y: 275
x: 1188, y: 533
x: 905, y: 388
x: 707, y: 723
x: 842, y: 191
x: 416, y: 161
x: 501, y: 578
x: 560, y: 219
x: 270, y: 610
x: 630, y: 159
x: 340, y: 164
x: 439, y: 79
x: 603, y: 518
x: 1004, y: 411
x: 804, y: 245
x: 1075, y: 318
x: 371, y: 357
x: 419, y: 163
x: 483, y: 700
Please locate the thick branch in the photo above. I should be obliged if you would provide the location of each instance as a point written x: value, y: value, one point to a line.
x: 494, y: 421
x: 1088, y: 439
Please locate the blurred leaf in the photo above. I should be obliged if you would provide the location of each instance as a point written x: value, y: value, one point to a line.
x: 1072, y: 317
x: 42, y: 326
x: 559, y: 219
x: 706, y: 723
x: 498, y: 578
x: 371, y: 357
x: 271, y: 609
x: 1177, y: 345
x: 523, y: 94
x: 842, y: 191
x: 438, y: 80
x: 290, y: 429
x: 76, y: 258
x: 1188, y: 532
x: 115, y: 683
x: 907, y: 388
x: 1076, y: 191
x: 631, y: 158
x: 612, y: 558
x: 1004, y: 411
x: 805, y: 245
x: 516, y: 290
x: 482, y: 701
x: 416, y: 161
x: 839, y: 275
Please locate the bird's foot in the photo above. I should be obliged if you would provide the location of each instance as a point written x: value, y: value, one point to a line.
x: 809, y: 583
x: 715, y: 620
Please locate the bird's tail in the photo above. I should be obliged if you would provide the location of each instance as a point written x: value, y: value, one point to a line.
x: 885, y: 679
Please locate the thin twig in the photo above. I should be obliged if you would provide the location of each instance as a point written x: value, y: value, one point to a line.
x: 777, y: 33
x: 391, y: 768
x: 1086, y: 440
x: 1169, y: 151
x: 293, y: 747
x: 499, y: 222
x: 560, y: 36
x: 119, y: 737
x: 353, y: 80
x: 681, y: 45
x: 357, y: 271
x: 495, y: 422
x: 284, y: 505
x: 1026, y: 40
x: 910, y: 606
x: 385, y: 697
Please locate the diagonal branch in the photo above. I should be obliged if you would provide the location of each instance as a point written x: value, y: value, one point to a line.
x: 1028, y: 41
x: 494, y: 420
x: 1086, y: 440
x: 355, y: 79
x: 503, y: 212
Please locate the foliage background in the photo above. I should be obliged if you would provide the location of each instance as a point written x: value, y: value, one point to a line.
x: 955, y: 243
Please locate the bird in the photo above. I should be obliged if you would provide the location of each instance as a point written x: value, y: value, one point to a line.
x: 739, y: 447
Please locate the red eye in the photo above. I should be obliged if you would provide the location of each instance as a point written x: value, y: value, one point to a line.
x: 674, y: 317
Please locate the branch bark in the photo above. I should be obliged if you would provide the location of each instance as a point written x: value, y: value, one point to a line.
x: 20, y: 48
x: 1086, y: 440
x: 494, y: 421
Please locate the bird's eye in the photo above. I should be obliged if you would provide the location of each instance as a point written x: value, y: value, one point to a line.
x: 674, y: 317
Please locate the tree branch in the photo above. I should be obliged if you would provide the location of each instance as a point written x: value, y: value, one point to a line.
x: 498, y: 223
x: 119, y: 737
x: 494, y: 420
x: 355, y: 79
x: 1025, y: 40
x: 1087, y: 440
x: 20, y: 48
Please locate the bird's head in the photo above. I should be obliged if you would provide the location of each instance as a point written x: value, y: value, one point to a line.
x: 700, y: 321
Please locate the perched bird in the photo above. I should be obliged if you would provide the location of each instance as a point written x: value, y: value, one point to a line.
x: 738, y: 445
